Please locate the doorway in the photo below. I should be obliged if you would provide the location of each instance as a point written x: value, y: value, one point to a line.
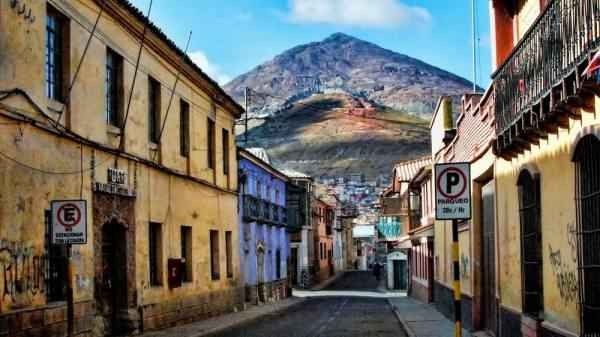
x: 488, y: 272
x: 293, y: 271
x: 260, y: 273
x: 399, y: 267
x: 114, y: 277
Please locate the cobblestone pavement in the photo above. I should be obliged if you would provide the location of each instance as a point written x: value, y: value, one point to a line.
x: 328, y: 316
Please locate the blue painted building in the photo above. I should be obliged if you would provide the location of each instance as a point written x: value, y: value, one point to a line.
x: 264, y: 240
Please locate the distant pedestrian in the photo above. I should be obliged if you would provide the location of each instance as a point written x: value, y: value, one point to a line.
x: 377, y: 270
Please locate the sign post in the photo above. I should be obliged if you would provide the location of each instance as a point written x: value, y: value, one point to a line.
x: 69, y: 227
x: 453, y: 202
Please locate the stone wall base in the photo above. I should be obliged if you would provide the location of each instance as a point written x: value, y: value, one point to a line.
x: 268, y: 292
x: 443, y: 298
x: 191, y: 308
x: 48, y: 321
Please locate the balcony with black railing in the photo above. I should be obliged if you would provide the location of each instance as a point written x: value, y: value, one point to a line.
x: 250, y: 208
x: 540, y: 87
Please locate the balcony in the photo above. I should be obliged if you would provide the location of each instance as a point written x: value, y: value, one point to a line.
x: 250, y: 210
x: 275, y: 218
x: 540, y: 86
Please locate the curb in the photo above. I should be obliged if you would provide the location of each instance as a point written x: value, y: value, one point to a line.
x: 403, y: 323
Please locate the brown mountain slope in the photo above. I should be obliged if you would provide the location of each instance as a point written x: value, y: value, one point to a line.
x: 318, y: 136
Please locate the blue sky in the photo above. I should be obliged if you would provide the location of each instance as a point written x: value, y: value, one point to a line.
x: 231, y: 37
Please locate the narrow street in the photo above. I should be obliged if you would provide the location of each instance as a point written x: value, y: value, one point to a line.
x: 329, y: 316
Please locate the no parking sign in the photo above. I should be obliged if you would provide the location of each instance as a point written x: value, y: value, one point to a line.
x: 453, y: 191
x: 69, y: 222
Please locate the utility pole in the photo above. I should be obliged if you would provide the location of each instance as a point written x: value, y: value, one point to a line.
x: 473, y: 23
x: 247, y: 105
x: 457, y: 294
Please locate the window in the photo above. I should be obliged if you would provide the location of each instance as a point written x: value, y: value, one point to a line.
x: 587, y: 172
x: 56, y: 267
x: 56, y: 41
x: 186, y: 254
x: 531, y: 243
x: 225, y: 145
x: 184, y: 128
x: 258, y: 189
x: 229, y: 252
x: 214, y: 255
x: 154, y: 103
x: 154, y: 253
x: 210, y: 134
x: 278, y: 264
x: 114, y: 87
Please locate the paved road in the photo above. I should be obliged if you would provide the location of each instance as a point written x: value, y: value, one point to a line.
x: 328, y: 316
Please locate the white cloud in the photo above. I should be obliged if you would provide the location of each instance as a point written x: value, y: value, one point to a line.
x: 365, y: 13
x: 211, y: 69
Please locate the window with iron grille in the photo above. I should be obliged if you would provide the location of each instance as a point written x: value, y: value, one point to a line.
x: 531, y: 243
x: 114, y: 81
x: 56, y: 25
x: 225, y: 146
x: 154, y: 253
x: 186, y: 253
x: 210, y: 134
x: 154, y: 103
x: 587, y: 163
x: 229, y: 252
x: 215, y: 269
x: 56, y: 266
x: 184, y: 128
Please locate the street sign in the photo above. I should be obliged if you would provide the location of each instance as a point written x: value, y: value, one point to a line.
x: 453, y: 191
x: 69, y: 222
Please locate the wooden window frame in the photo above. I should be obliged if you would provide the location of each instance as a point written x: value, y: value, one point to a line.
x: 225, y: 146
x: 184, y: 128
x: 215, y: 265
x: 56, y: 54
x: 187, y: 273
x: 229, y: 253
x: 210, y: 143
x: 155, y: 254
x: 154, y: 107
x: 114, y: 88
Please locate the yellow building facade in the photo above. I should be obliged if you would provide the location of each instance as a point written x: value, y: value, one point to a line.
x: 68, y: 128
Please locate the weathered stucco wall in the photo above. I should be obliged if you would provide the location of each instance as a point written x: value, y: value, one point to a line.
x: 557, y: 180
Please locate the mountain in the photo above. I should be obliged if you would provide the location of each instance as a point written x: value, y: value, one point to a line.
x: 342, y: 106
x: 342, y: 63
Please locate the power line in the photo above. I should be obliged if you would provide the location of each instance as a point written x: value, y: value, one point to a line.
x: 137, y: 66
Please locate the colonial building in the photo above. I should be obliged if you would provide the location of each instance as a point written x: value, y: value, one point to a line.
x: 469, y: 140
x: 323, y: 237
x: 264, y: 240
x: 145, y: 141
x: 547, y: 139
x: 299, y: 206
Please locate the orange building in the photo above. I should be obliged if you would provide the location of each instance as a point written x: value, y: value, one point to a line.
x: 323, y: 215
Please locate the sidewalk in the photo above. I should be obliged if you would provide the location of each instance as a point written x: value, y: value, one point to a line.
x: 422, y: 320
x: 223, y: 322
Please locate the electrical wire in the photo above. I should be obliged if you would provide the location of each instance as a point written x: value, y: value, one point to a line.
x: 137, y: 66
x: 76, y: 75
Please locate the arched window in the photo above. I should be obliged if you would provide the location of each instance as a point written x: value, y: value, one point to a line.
x: 587, y: 168
x: 531, y: 243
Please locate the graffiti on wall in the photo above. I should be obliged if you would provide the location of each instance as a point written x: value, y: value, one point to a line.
x: 564, y: 267
x: 464, y: 267
x: 22, y: 271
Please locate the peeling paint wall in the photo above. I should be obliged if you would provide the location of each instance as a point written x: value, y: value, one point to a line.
x: 170, y: 189
x: 558, y: 217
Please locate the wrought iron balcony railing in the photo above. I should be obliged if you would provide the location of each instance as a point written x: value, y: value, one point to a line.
x: 540, y: 85
x: 250, y: 210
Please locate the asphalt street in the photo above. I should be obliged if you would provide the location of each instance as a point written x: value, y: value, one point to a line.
x: 334, y: 316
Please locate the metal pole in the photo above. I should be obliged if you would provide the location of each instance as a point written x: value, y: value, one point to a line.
x: 70, y: 304
x: 246, y: 103
x: 457, y: 295
x: 473, y: 23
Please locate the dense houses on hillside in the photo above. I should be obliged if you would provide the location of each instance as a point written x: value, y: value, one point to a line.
x: 527, y: 259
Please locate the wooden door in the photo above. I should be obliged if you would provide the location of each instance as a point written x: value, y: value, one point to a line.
x: 488, y: 286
